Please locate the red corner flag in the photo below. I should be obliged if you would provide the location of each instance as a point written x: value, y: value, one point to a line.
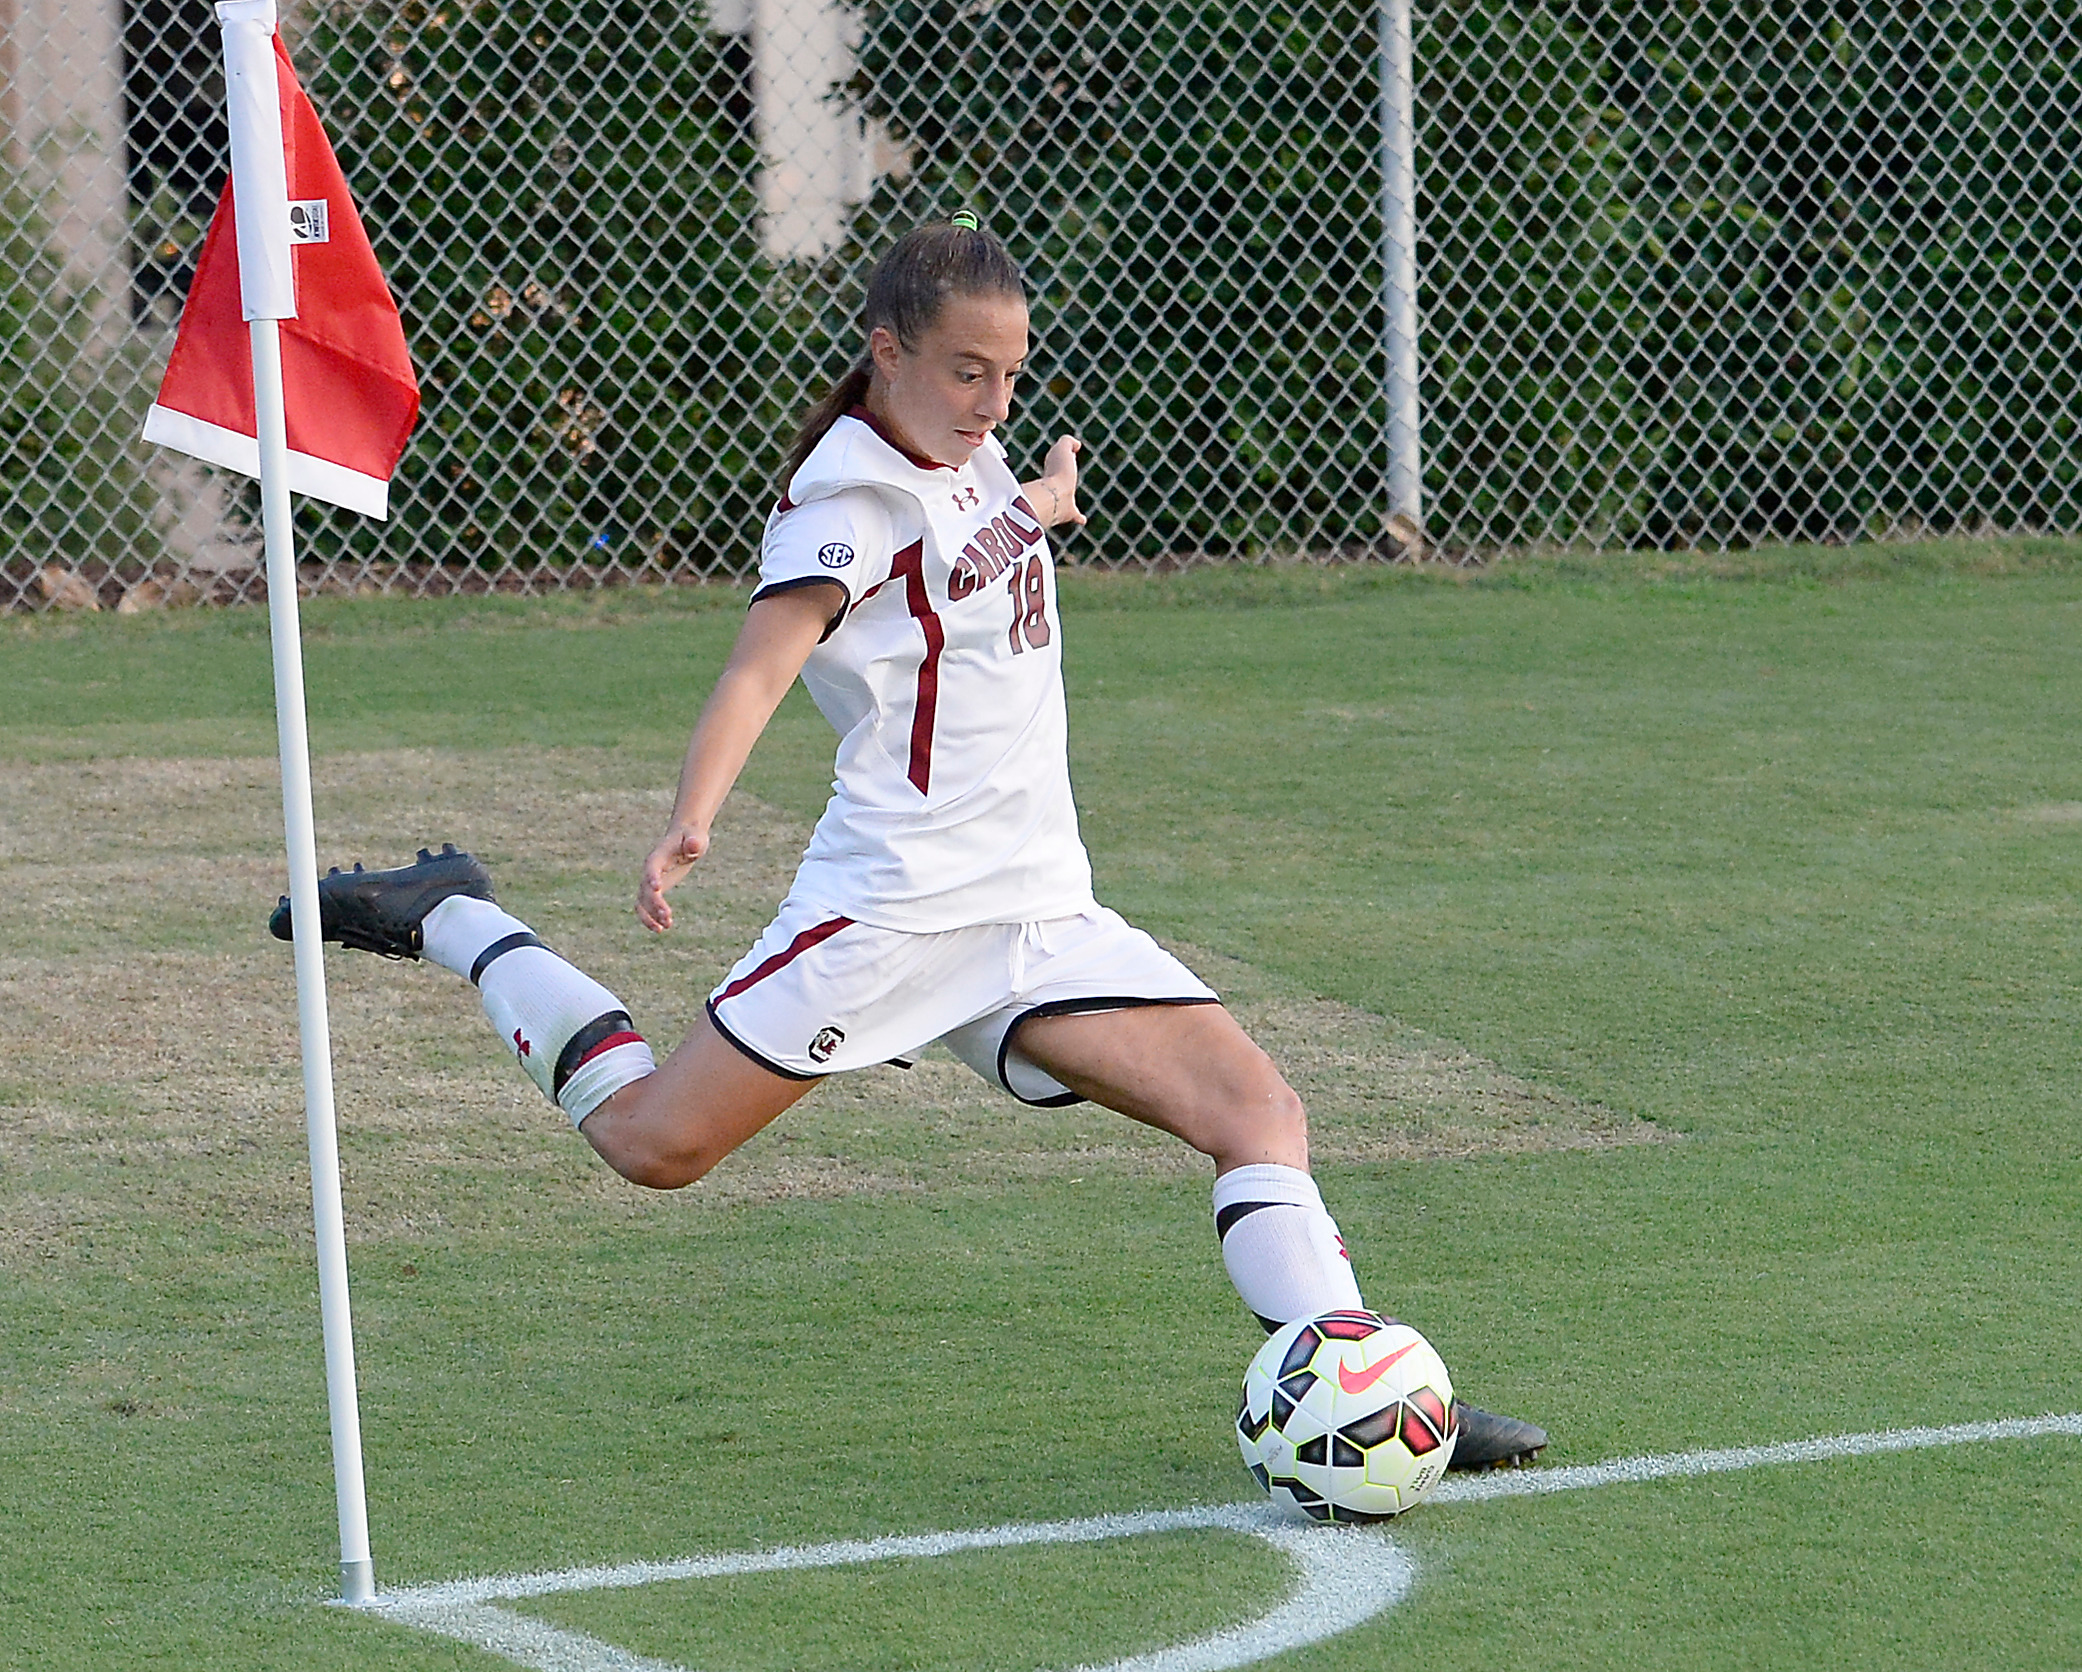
x: 347, y: 380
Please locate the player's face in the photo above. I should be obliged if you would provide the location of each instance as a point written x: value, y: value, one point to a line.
x: 952, y: 386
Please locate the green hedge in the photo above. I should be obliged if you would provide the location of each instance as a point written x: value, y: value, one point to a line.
x: 1702, y: 272
x: 1193, y: 194
x: 72, y: 489
x: 1710, y: 271
x: 562, y: 198
x: 1828, y: 248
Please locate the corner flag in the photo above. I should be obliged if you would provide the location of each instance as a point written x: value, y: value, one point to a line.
x: 351, y: 396
x: 293, y: 369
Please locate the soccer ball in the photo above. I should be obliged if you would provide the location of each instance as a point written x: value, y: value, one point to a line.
x: 1347, y: 1416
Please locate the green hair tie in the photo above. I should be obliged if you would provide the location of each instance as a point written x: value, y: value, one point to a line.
x: 966, y: 220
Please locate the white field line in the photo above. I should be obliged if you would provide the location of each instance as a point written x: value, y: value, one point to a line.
x: 1346, y: 1576
x: 1519, y: 1483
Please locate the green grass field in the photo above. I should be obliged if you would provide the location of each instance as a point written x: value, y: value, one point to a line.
x: 1681, y: 958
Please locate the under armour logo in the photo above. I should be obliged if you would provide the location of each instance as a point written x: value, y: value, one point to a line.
x: 967, y: 499
x: 521, y: 1045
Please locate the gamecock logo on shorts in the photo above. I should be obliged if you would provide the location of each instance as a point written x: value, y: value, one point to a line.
x: 827, y: 1041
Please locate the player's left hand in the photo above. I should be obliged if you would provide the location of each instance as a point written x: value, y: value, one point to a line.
x: 1059, y: 475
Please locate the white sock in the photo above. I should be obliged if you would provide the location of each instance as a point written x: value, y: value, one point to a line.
x: 570, y: 1034
x: 1282, y: 1249
x: 456, y: 933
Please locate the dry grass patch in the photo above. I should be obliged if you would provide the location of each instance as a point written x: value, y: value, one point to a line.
x: 148, y: 1049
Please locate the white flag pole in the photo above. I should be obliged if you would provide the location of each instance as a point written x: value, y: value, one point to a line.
x: 260, y: 192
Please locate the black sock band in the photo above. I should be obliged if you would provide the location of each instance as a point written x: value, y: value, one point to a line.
x: 602, y: 1031
x: 498, y: 949
x: 1241, y: 1210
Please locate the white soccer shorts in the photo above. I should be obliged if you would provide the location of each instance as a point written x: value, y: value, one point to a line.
x: 820, y: 993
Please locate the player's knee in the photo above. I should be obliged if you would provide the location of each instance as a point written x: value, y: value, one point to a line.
x: 1283, y: 1125
x: 654, y: 1154
x: 1263, y: 1123
x: 659, y: 1172
x: 663, y: 1160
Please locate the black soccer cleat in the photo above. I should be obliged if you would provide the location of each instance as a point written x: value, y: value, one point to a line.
x: 381, y: 911
x: 1488, y: 1441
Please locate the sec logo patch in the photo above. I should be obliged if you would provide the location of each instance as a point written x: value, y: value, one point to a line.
x: 836, y: 555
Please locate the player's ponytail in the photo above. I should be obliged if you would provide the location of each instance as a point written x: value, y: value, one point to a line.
x: 841, y: 398
x: 905, y: 294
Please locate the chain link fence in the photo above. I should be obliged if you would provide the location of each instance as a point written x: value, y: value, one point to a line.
x: 1687, y: 273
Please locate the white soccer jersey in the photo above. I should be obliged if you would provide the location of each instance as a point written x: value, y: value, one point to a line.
x: 943, y: 677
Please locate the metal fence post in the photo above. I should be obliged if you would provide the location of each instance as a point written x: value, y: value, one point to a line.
x: 1399, y: 275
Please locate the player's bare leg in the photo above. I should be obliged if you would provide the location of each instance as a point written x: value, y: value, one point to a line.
x: 1187, y: 1069
x: 669, y: 1128
x: 1192, y: 1071
x: 661, y: 1127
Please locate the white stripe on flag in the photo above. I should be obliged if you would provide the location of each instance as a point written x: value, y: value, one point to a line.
x: 319, y: 478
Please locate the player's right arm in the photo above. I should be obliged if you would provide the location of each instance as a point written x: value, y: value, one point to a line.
x: 816, y: 562
x: 779, y: 633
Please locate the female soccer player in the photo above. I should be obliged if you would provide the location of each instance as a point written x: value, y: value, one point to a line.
x: 906, y: 577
